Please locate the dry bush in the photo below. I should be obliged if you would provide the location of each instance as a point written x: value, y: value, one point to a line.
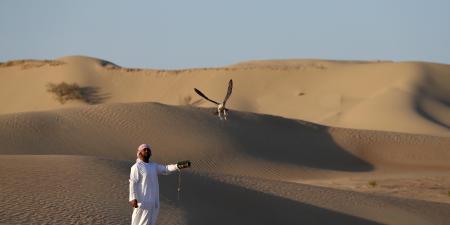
x: 65, y: 92
x: 372, y: 183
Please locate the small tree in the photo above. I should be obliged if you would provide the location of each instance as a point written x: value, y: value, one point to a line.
x: 65, y: 92
x: 372, y: 183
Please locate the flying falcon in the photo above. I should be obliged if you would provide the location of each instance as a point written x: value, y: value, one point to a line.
x: 221, y: 110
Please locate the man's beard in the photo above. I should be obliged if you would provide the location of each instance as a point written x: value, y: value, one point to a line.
x: 145, y: 157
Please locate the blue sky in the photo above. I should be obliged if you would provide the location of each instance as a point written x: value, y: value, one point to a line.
x: 206, y: 33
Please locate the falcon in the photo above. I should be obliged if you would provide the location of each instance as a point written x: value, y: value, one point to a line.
x: 221, y: 109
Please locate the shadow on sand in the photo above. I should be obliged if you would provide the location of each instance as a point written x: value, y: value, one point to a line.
x: 290, y: 141
x: 92, y: 95
x: 208, y: 201
x: 428, y: 91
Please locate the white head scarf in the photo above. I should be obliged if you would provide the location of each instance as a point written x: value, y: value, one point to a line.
x: 141, y: 148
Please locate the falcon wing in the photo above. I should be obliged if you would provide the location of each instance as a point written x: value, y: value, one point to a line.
x: 230, y: 89
x: 204, y: 96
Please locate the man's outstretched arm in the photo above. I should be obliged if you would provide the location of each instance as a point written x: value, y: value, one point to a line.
x: 168, y: 169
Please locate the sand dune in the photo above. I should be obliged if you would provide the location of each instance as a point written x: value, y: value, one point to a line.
x: 75, y: 189
x: 409, y: 97
x: 304, y: 141
x: 95, y: 130
x: 251, y: 156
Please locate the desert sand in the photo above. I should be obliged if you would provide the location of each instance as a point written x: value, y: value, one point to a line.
x: 306, y: 142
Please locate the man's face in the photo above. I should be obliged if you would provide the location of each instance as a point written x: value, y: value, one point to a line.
x: 146, y: 153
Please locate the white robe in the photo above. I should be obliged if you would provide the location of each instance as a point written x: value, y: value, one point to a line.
x: 144, y: 187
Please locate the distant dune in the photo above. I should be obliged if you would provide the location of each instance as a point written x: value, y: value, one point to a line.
x: 306, y: 142
x: 409, y: 97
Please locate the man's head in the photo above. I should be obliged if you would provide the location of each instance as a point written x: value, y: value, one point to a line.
x: 144, y: 152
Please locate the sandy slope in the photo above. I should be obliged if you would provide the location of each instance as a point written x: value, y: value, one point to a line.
x: 304, y: 140
x: 251, y: 169
x: 411, y: 97
x: 90, y: 190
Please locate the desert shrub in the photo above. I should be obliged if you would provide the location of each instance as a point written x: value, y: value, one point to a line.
x: 64, y: 92
x: 448, y: 193
x: 372, y: 183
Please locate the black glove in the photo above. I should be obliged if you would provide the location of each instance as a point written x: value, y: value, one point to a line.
x: 184, y: 164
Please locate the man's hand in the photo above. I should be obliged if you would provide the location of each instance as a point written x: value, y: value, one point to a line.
x: 134, y: 203
x: 184, y: 164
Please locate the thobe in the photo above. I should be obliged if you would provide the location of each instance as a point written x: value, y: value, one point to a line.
x: 145, y: 188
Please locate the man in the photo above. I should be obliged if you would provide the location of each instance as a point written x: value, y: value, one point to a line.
x: 144, y: 187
